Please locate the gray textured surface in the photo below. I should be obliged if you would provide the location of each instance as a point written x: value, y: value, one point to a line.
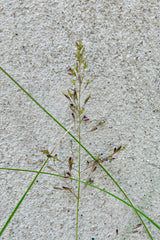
x: 37, y: 45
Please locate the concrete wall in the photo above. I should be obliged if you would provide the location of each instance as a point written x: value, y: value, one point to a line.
x: 37, y: 46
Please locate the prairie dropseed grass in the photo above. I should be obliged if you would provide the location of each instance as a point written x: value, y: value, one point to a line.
x: 73, y: 169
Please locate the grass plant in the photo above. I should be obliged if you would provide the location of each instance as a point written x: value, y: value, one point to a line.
x: 75, y: 96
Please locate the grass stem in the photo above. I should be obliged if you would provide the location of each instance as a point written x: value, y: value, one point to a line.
x: 79, y: 153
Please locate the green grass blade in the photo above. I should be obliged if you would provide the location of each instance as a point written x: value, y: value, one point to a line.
x: 116, y: 183
x: 91, y: 185
x: 22, y: 198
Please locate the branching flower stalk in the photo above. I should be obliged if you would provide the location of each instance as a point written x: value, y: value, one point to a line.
x: 77, y: 113
x: 74, y: 97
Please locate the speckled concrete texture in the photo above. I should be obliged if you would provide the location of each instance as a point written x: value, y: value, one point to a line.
x: 37, y: 46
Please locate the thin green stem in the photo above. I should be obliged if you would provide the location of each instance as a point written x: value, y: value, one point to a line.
x: 79, y: 178
x: 79, y: 156
x: 116, y: 183
x: 22, y: 198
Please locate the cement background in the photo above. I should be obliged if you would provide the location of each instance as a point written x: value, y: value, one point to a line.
x: 37, y: 46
